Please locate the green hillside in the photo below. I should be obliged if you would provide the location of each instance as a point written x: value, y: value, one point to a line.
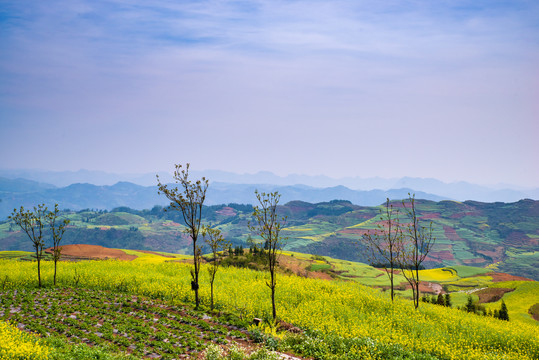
x: 502, y: 236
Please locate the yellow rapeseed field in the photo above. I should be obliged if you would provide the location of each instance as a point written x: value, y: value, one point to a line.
x: 16, y: 344
x: 344, y: 308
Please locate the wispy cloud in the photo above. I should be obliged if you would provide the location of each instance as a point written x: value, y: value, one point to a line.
x: 336, y: 79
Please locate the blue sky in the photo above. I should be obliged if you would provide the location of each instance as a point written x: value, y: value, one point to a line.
x: 443, y: 89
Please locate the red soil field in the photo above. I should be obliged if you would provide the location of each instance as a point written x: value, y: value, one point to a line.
x: 443, y: 255
x: 491, y: 294
x: 496, y: 255
x: 299, y: 267
x: 430, y: 216
x: 498, y: 277
x: 227, y: 211
x: 93, y: 252
x: 359, y: 232
x: 172, y: 223
x: 475, y: 261
x: 451, y: 234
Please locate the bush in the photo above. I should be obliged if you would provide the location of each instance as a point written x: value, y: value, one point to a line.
x: 264, y: 354
x: 235, y: 352
x: 213, y: 352
x: 503, y: 314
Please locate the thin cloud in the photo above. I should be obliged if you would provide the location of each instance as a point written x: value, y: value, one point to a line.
x: 336, y: 79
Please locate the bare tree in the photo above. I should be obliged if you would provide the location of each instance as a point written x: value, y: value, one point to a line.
x: 57, y: 230
x: 188, y: 198
x: 385, y: 243
x: 268, y: 226
x: 418, y: 241
x: 214, y: 238
x: 32, y: 223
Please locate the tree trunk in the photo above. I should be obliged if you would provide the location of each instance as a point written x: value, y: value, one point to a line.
x: 195, y: 255
x: 273, y: 303
x: 416, y: 294
x: 39, y: 270
x: 55, y: 262
x: 211, y: 301
x: 197, y: 300
x: 416, y: 300
x: 413, y: 293
x: 391, y: 280
x: 274, y: 311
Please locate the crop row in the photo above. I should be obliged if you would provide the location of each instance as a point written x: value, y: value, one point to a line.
x: 120, y: 322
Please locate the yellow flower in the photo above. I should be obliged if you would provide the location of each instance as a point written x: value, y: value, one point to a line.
x: 16, y: 344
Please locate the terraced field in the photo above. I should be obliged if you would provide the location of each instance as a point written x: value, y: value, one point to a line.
x: 500, y: 236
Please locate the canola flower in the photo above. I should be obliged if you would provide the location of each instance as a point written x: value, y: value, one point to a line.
x: 342, y: 308
x: 18, y: 345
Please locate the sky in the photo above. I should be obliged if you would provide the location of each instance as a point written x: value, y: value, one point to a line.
x: 440, y: 89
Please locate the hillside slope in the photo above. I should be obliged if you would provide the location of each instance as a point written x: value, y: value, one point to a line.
x: 502, y: 236
x: 335, y: 319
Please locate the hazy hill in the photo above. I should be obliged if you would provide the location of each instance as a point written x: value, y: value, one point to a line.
x: 107, y: 197
x: 456, y: 190
x: 222, y: 193
x: 22, y: 186
x: 466, y: 191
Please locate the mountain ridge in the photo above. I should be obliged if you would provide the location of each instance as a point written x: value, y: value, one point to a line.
x: 80, y: 196
x: 459, y: 190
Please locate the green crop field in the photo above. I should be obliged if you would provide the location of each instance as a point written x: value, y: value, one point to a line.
x: 14, y: 254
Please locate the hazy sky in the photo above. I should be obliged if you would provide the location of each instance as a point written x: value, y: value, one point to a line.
x: 444, y: 89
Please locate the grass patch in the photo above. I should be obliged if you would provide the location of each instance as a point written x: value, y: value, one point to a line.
x: 15, y: 254
x: 467, y: 271
x: 319, y: 267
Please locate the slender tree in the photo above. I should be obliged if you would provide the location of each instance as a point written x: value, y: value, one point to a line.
x: 57, y: 229
x: 268, y: 225
x: 385, y: 243
x: 215, y: 240
x: 417, y: 243
x: 32, y: 223
x: 188, y: 198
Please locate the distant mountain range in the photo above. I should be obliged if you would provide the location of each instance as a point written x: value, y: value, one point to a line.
x: 22, y: 192
x: 324, y: 218
x: 460, y: 191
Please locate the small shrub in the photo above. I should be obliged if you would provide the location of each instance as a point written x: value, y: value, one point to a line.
x: 213, y: 352
x: 447, y: 300
x: 256, y: 335
x: 264, y: 354
x: 235, y: 352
